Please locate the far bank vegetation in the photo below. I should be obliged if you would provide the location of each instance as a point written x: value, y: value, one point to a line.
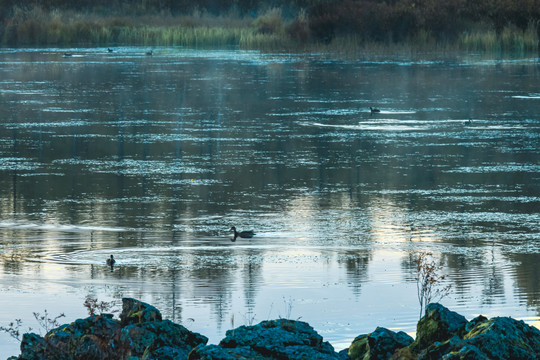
x: 482, y: 25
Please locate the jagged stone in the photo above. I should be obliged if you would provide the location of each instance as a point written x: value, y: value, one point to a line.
x: 99, y: 337
x: 505, y: 338
x: 380, y: 344
x: 439, y: 324
x: 468, y: 352
x: 498, y: 338
x: 35, y: 347
x: 90, y: 338
x: 274, y: 339
x: 165, y: 353
x: 147, y: 338
x: 89, y: 348
x: 477, y: 320
x: 136, y: 312
x: 215, y: 352
x: 442, y: 334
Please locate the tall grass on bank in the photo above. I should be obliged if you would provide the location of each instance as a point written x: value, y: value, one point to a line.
x: 178, y: 36
x: 510, y: 40
x: 270, y: 31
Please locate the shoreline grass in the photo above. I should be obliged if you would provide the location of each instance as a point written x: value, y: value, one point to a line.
x: 267, y: 32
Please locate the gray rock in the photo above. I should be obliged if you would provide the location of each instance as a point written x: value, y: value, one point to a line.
x: 441, y: 334
x: 215, y: 352
x: 477, y: 320
x: 90, y: 338
x: 468, y: 352
x: 136, y: 312
x: 505, y: 338
x: 275, y: 339
x: 499, y: 338
x: 380, y: 344
x: 144, y: 336
x: 344, y: 354
x: 89, y: 348
x: 147, y: 339
x: 35, y: 347
x: 439, y: 324
x: 165, y: 353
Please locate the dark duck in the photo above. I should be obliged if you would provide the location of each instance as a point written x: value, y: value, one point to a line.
x: 242, y: 234
x: 373, y: 110
x: 111, y: 261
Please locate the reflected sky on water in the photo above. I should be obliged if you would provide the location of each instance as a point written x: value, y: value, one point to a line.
x: 153, y: 159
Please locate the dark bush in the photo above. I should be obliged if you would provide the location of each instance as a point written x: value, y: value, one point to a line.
x: 298, y: 30
x: 323, y: 19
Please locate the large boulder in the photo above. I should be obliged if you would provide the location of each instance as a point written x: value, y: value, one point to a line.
x: 274, y: 339
x: 90, y: 338
x: 136, y: 312
x: 498, y: 338
x: 439, y: 324
x: 380, y: 344
x: 140, y: 334
x: 148, y: 340
x: 145, y: 335
x: 505, y: 338
x: 33, y: 347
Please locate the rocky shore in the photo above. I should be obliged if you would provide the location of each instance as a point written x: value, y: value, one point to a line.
x: 141, y: 333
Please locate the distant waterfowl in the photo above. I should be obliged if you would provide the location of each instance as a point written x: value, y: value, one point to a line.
x: 110, y: 50
x: 111, y: 261
x: 242, y: 234
x: 66, y: 54
x: 374, y: 110
x: 468, y: 122
x: 150, y: 52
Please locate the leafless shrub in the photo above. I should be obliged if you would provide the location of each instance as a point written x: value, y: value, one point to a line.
x: 429, y: 282
x: 47, y: 323
x: 13, y: 329
x: 95, y: 307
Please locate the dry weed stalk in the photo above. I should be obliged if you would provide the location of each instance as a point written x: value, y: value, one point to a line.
x: 429, y: 283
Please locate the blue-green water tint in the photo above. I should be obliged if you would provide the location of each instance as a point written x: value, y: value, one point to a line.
x: 153, y: 159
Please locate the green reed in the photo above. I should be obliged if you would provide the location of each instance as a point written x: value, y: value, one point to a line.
x: 268, y: 32
x: 509, y: 40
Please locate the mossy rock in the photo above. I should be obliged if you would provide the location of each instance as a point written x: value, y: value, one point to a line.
x: 380, y: 344
x: 438, y: 325
x: 359, y: 348
x: 137, y: 312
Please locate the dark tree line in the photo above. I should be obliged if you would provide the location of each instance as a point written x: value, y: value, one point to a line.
x: 143, y: 7
x: 395, y: 20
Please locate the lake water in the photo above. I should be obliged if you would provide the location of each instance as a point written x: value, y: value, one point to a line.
x: 154, y: 158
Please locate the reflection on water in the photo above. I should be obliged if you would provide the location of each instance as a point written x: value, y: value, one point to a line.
x: 154, y: 159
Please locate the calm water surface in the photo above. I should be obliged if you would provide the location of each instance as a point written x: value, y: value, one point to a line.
x: 153, y: 159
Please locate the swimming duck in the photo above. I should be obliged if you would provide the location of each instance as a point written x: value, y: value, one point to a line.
x: 374, y: 110
x: 110, y: 50
x: 468, y: 122
x: 150, y: 52
x: 242, y: 234
x: 111, y: 261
